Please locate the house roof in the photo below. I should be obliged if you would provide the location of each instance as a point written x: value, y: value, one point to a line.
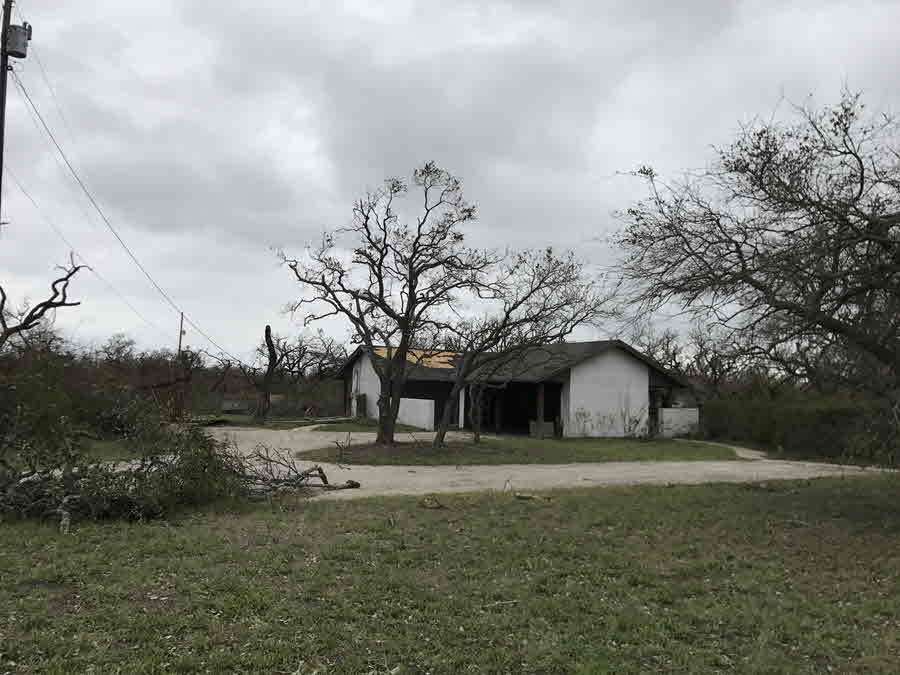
x: 534, y: 365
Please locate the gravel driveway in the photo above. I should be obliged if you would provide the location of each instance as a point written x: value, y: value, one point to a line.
x: 421, y: 480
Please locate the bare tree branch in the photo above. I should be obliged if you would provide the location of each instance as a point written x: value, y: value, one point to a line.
x: 394, y: 281
x: 15, y: 323
x: 790, y: 243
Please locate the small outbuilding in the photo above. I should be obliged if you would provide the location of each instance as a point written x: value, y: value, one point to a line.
x: 576, y: 389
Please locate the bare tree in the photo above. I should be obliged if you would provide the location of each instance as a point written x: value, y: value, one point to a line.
x: 666, y: 347
x: 311, y: 358
x: 18, y: 322
x: 394, y: 281
x: 702, y: 355
x: 261, y: 375
x: 535, y: 298
x: 790, y: 241
x: 301, y: 361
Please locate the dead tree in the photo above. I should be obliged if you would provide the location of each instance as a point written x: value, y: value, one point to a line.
x: 260, y: 376
x: 399, y: 278
x: 291, y: 362
x: 14, y: 323
x: 535, y: 298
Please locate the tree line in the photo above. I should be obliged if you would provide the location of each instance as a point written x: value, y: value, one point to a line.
x: 784, y: 254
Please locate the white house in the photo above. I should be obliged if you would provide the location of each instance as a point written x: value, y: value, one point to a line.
x: 604, y: 388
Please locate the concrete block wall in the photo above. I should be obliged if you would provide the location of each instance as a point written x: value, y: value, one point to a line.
x: 417, y: 412
x: 678, y: 421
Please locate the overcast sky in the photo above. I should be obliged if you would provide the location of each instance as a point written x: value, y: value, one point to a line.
x: 211, y: 131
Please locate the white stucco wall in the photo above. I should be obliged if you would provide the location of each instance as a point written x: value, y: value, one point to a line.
x: 415, y: 412
x: 607, y: 395
x: 418, y: 412
x: 678, y: 421
x: 365, y: 381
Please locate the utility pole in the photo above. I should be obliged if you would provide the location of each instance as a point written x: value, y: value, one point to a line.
x: 180, y: 388
x: 180, y: 335
x: 4, y: 66
x: 13, y: 42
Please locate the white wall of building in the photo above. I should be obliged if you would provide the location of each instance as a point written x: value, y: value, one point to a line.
x: 417, y: 412
x: 678, y: 421
x: 365, y: 381
x: 413, y: 411
x: 607, y: 395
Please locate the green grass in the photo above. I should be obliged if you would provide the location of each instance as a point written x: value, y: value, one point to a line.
x: 522, y: 450
x: 793, y: 577
x: 365, y: 426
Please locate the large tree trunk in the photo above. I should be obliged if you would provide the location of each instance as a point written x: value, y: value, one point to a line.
x: 476, y: 397
x: 264, y: 400
x: 463, y: 371
x: 385, y: 424
x: 388, y: 409
x: 263, y: 404
x: 393, y: 380
x: 447, y: 415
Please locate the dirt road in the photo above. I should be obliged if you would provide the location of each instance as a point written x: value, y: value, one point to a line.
x: 421, y: 480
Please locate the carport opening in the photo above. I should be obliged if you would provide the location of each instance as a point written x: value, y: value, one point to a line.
x: 510, y: 409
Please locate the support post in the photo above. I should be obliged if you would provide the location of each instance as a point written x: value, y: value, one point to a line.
x: 540, y: 410
x: 181, y: 392
x: 4, y: 67
x: 180, y: 335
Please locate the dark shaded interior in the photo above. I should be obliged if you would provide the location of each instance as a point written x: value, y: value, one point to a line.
x: 510, y: 408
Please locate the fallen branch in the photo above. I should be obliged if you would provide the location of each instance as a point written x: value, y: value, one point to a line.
x: 268, y: 471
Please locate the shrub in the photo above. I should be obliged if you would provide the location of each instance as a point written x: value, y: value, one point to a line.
x: 44, y: 470
x: 805, y: 425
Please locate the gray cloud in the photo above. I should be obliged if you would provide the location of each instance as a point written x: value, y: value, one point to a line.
x: 210, y: 131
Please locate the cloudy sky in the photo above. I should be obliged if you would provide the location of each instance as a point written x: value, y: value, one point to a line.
x: 211, y: 131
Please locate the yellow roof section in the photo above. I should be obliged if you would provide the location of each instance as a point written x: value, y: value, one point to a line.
x: 424, y: 357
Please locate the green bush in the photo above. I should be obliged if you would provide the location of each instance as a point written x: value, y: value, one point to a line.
x: 45, y: 471
x: 806, y: 426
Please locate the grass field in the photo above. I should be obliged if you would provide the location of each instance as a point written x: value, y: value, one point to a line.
x: 523, y: 450
x: 792, y: 577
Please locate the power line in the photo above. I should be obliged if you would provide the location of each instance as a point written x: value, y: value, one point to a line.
x: 76, y: 253
x: 59, y: 164
x: 87, y: 192
x: 107, y: 221
x: 34, y: 52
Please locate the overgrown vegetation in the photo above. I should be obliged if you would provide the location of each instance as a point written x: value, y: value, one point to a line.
x: 801, y: 425
x: 73, y: 447
x: 717, y: 578
x: 517, y: 450
x: 49, y: 466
